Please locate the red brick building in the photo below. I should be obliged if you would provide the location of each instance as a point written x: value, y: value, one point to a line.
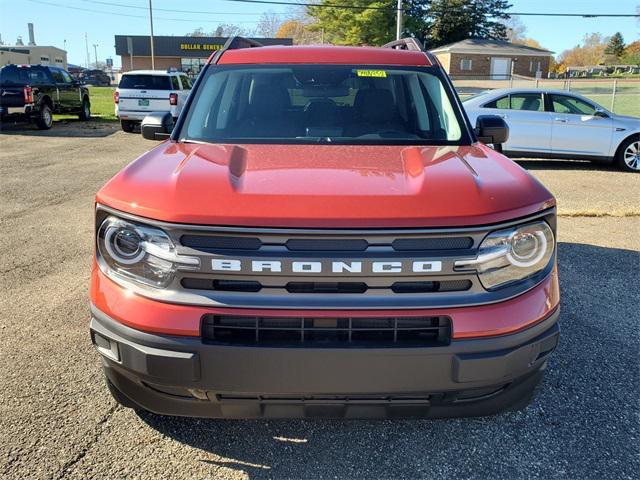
x: 493, y: 59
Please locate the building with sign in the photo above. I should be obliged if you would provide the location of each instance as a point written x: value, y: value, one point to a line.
x: 187, y: 54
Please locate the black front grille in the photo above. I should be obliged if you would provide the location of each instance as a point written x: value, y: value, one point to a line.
x: 214, y: 243
x: 326, y: 287
x: 330, y: 332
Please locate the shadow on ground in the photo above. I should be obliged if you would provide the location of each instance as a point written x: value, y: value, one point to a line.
x: 63, y: 128
x: 582, y: 423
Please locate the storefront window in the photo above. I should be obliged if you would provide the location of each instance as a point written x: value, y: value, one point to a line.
x: 191, y: 66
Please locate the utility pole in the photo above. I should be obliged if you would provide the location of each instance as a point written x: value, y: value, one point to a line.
x: 95, y: 51
x: 153, y: 59
x: 86, y: 44
x: 399, y: 21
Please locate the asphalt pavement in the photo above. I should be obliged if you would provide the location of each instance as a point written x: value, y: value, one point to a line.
x: 57, y: 419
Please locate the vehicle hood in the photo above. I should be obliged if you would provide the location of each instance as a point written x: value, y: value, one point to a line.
x: 633, y: 122
x: 325, y: 186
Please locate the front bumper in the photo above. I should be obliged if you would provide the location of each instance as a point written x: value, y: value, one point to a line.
x: 178, y: 375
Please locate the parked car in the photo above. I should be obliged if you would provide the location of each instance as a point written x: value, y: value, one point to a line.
x: 36, y: 92
x: 96, y: 78
x: 560, y: 124
x: 141, y: 92
x: 322, y: 233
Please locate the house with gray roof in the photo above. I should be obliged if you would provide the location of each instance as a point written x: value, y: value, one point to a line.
x: 494, y: 59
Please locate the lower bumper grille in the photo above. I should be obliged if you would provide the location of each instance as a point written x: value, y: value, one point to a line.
x: 327, y: 332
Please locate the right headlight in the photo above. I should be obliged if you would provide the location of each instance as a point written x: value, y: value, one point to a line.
x: 139, y: 253
x: 512, y: 255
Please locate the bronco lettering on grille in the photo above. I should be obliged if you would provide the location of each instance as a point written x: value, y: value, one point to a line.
x: 319, y: 267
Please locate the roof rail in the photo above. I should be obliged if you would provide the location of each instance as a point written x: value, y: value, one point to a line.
x: 234, y: 43
x: 406, y: 44
x: 412, y: 44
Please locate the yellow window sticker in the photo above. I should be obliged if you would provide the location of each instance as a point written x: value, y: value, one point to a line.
x: 371, y: 73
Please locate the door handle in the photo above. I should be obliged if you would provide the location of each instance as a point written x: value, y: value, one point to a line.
x: 560, y: 119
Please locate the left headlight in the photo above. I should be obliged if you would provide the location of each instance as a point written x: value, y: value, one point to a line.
x: 140, y: 253
x: 512, y: 255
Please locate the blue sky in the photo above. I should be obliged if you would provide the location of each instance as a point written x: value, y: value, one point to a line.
x: 54, y: 24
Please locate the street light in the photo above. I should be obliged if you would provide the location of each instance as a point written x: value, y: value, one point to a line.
x: 398, y: 21
x: 153, y: 60
x: 95, y: 52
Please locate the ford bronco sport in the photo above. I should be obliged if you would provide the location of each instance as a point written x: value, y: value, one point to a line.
x: 323, y: 233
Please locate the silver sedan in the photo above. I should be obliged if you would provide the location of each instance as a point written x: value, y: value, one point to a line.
x: 560, y: 124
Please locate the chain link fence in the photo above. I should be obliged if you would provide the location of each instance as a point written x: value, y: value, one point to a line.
x: 619, y: 95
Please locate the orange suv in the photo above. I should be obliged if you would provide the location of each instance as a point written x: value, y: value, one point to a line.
x: 323, y: 233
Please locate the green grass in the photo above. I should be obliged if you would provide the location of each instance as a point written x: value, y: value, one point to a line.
x: 102, y: 107
x: 625, y: 104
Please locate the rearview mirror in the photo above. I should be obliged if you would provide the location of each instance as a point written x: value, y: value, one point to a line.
x: 157, y: 126
x: 491, y: 129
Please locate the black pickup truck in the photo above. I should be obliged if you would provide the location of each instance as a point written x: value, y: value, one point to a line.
x: 36, y: 92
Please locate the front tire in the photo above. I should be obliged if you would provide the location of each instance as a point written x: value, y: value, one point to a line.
x: 85, y: 112
x: 127, y: 126
x: 44, y: 120
x: 628, y: 155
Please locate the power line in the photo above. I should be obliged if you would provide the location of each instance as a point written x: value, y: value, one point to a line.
x: 276, y: 2
x: 172, y: 10
x: 390, y: 7
x: 319, y: 5
x: 584, y: 15
x: 43, y: 2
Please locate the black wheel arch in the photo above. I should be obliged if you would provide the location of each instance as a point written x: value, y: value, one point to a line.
x: 47, y: 100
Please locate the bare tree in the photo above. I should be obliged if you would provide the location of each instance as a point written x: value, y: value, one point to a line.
x: 223, y: 30
x: 268, y: 25
x: 516, y: 30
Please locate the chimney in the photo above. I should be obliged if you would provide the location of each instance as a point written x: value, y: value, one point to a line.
x: 32, y: 40
x: 19, y: 41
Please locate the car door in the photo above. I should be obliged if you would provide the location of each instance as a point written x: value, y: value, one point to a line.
x: 577, y: 129
x: 67, y: 94
x: 529, y: 125
x: 75, y: 94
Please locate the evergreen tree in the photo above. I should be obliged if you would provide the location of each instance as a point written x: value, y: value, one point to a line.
x: 436, y: 22
x: 351, y: 26
x: 616, y: 45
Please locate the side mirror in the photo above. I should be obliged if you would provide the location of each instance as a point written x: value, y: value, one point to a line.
x: 600, y: 113
x: 492, y: 129
x: 157, y: 126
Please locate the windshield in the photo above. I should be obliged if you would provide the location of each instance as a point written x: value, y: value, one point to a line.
x: 322, y: 103
x: 13, y: 75
x: 145, y: 82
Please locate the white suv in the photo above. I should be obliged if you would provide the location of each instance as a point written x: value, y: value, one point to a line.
x: 141, y: 92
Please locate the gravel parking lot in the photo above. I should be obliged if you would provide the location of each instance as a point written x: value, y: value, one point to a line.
x: 57, y: 419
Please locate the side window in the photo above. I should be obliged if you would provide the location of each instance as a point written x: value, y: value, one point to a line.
x: 571, y: 105
x: 57, y: 75
x: 175, y: 83
x: 38, y: 76
x: 527, y: 101
x: 502, y: 102
x: 65, y: 75
x: 466, y: 64
x: 186, y: 84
